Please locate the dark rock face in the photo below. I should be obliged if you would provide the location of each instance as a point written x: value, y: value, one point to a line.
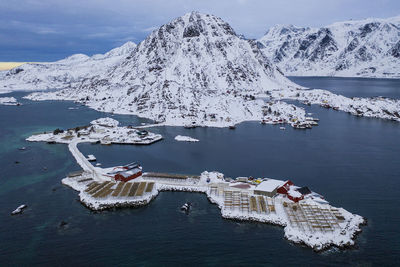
x: 368, y: 28
x: 14, y: 71
x: 191, y: 31
x: 395, y: 51
x: 362, y: 54
x: 280, y: 54
x: 325, y: 47
x: 353, y: 44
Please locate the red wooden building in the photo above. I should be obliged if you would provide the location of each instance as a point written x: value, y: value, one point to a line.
x: 128, y: 175
x: 291, y: 194
x: 285, y: 187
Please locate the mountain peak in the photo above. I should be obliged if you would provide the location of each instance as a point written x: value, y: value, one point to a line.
x: 196, y: 24
x: 198, y: 51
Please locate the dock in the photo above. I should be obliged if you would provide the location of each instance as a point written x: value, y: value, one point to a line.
x: 159, y: 175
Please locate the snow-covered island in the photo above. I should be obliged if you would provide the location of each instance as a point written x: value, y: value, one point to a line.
x: 9, y: 101
x: 104, y: 130
x: 308, y: 220
x: 183, y: 138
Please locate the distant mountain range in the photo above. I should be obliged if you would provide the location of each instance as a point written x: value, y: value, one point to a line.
x: 364, y: 48
x: 62, y: 73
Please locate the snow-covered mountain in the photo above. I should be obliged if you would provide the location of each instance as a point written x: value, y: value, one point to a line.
x: 194, y: 68
x: 63, y: 73
x: 365, y: 48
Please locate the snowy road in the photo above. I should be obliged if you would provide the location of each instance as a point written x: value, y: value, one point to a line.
x: 83, y: 162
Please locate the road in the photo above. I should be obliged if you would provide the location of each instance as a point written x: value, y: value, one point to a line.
x: 83, y: 162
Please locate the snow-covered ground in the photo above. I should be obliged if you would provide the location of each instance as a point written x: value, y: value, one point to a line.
x: 377, y: 107
x: 9, y: 101
x: 316, y: 232
x: 185, y: 138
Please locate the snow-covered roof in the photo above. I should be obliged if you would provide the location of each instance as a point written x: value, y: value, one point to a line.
x: 129, y: 173
x: 269, y: 185
x: 293, y: 192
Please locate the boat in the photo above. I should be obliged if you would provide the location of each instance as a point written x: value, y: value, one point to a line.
x: 299, y: 126
x: 326, y: 105
x: 19, y: 209
x: 105, y: 142
x: 186, y: 207
x: 22, y: 148
x: 190, y: 126
x: 282, y: 128
x: 91, y: 158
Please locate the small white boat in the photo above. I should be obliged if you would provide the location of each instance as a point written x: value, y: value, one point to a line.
x: 105, y: 142
x: 91, y: 158
x: 19, y: 209
x: 282, y: 128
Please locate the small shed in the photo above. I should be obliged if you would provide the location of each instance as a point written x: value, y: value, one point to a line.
x: 268, y: 188
x: 285, y: 187
x: 294, y: 195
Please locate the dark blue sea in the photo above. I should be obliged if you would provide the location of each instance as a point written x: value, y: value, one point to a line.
x: 354, y: 162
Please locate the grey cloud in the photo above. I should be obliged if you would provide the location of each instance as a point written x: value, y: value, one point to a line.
x: 51, y: 29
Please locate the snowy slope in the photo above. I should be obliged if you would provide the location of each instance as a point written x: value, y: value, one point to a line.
x: 63, y: 73
x: 193, y: 69
x: 365, y: 48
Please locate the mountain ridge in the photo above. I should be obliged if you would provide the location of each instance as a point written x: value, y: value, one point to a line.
x: 362, y: 48
x: 194, y: 70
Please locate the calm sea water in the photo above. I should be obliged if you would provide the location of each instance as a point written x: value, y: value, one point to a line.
x: 352, y: 87
x: 353, y: 162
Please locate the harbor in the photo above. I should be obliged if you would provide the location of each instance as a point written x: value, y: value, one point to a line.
x: 306, y: 216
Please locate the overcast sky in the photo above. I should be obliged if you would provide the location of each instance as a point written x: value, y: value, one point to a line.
x: 44, y: 30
